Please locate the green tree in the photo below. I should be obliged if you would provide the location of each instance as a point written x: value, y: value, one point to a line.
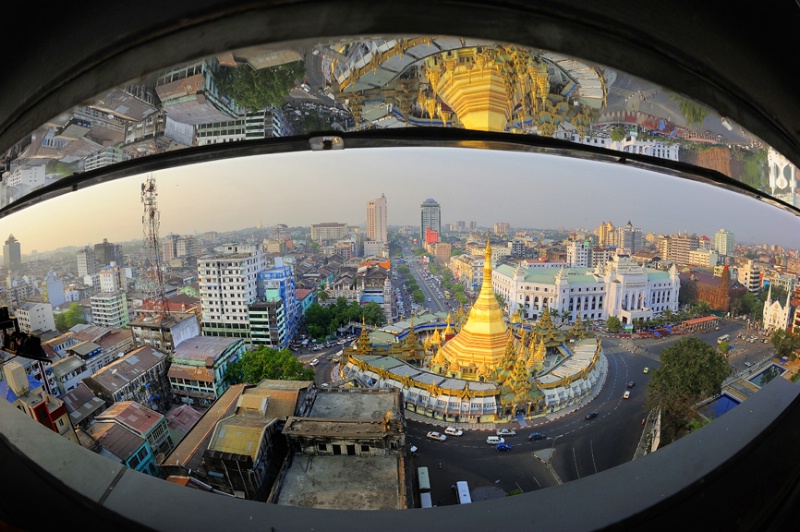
x: 785, y: 343
x: 747, y: 303
x: 779, y: 293
x: 613, y: 324
x: 693, y: 112
x: 267, y: 363
x: 691, y: 370
x: 373, y: 314
x: 500, y: 300
x: 312, y: 122
x: 418, y: 296
x: 618, y: 133
x: 318, y: 319
x: 259, y: 89
x: 723, y: 347
x: 702, y: 308
x: 69, y: 318
x: 688, y: 292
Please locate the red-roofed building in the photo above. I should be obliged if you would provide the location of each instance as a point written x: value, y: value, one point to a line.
x: 704, y: 286
x: 181, y: 419
x: 305, y: 298
x: 120, y: 444
x: 198, y: 368
x: 143, y: 422
x: 165, y: 332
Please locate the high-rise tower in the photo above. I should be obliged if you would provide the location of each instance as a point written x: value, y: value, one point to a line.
x: 430, y: 217
x: 12, y: 253
x: 86, y: 262
x: 629, y: 237
x: 106, y: 252
x: 377, y: 225
x: 724, y: 242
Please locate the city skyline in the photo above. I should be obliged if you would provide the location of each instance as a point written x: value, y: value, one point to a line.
x: 481, y: 185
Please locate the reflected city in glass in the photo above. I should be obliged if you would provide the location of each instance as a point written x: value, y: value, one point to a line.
x: 260, y: 93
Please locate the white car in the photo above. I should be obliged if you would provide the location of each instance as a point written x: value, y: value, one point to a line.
x: 452, y: 431
x: 506, y: 432
x: 436, y: 436
x: 626, y: 394
x: 314, y: 362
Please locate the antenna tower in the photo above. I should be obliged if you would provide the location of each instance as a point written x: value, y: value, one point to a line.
x: 154, y: 274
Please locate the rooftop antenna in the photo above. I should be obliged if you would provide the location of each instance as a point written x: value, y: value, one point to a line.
x: 154, y: 273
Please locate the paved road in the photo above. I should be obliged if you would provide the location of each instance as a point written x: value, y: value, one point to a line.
x: 470, y: 458
x: 580, y: 447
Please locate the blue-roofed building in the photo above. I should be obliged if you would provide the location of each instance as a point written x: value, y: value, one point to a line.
x: 120, y: 444
x: 29, y: 397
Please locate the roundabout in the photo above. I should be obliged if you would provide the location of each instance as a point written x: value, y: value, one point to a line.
x: 484, y: 369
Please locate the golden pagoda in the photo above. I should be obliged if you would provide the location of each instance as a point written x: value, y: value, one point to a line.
x: 436, y: 338
x: 412, y: 350
x: 486, y: 88
x: 363, y: 345
x: 484, y: 338
x: 448, y: 331
x: 544, y: 329
x: 578, y: 330
x: 461, y: 317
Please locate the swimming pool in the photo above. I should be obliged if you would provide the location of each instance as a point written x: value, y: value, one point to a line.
x: 719, y: 406
x: 767, y: 374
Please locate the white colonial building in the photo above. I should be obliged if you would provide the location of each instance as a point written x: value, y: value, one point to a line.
x: 622, y: 289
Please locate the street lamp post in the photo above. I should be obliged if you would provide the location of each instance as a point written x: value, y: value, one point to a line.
x: 552, y: 445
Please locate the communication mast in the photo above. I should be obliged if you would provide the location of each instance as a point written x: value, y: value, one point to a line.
x: 154, y: 274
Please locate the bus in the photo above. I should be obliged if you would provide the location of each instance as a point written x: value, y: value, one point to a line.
x: 425, y: 500
x: 424, y: 487
x: 723, y: 338
x: 424, y: 479
x: 462, y: 492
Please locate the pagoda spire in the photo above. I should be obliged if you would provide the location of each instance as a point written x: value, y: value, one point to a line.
x: 364, y: 345
x: 448, y: 331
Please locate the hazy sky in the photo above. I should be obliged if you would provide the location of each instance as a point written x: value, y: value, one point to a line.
x: 525, y: 190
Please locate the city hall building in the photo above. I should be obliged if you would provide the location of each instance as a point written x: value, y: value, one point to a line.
x: 620, y: 288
